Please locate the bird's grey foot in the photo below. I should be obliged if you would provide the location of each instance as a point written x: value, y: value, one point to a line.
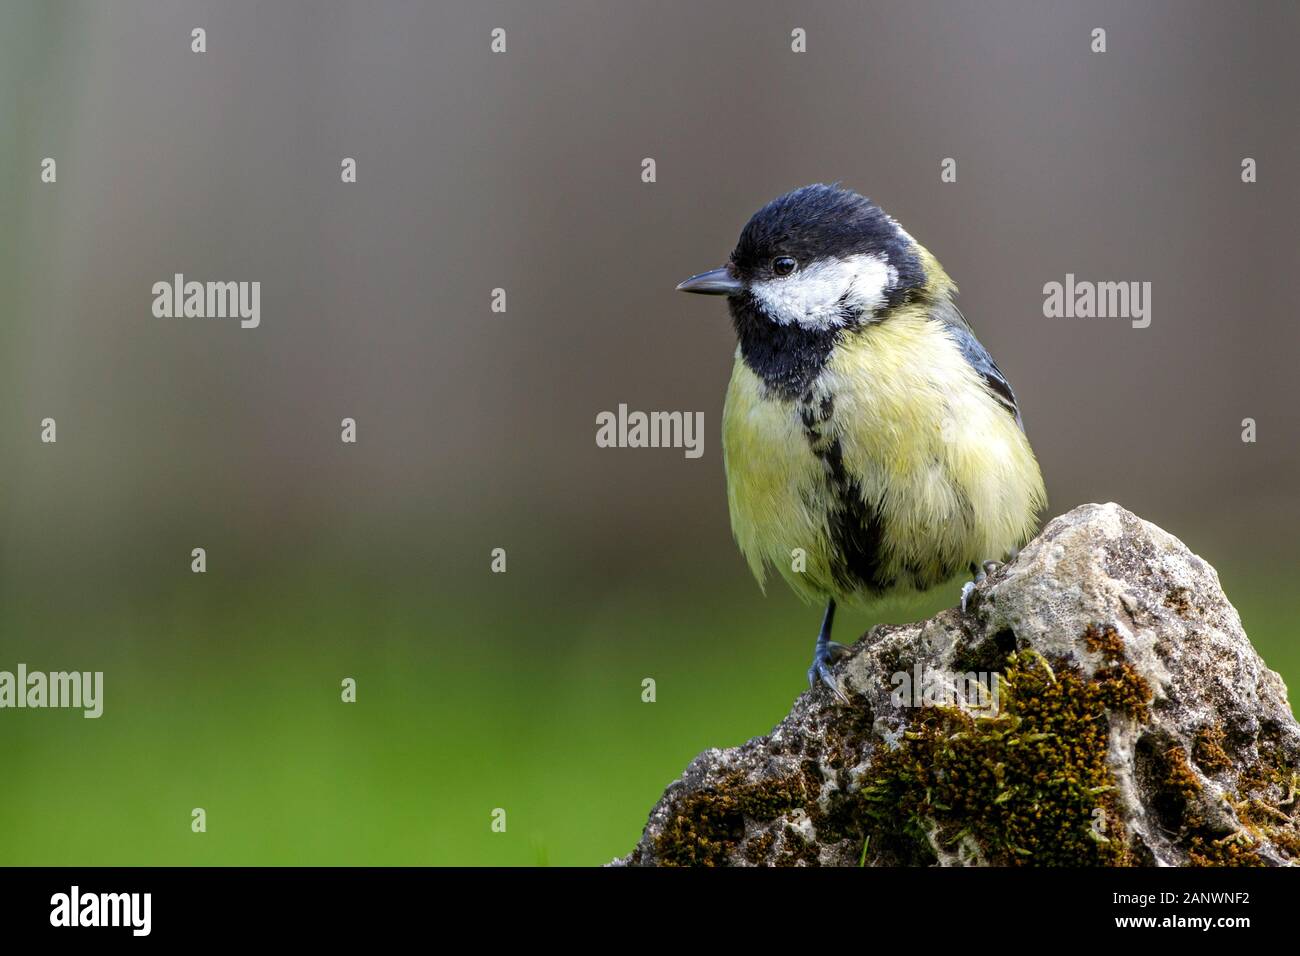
x: 825, y: 654
x: 981, y: 575
x: 967, y: 590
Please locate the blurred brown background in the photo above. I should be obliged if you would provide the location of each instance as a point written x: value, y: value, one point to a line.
x: 522, y: 171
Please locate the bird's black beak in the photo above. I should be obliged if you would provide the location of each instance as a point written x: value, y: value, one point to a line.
x: 715, y: 282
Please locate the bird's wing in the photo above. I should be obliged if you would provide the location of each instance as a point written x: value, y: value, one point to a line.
x: 981, y: 361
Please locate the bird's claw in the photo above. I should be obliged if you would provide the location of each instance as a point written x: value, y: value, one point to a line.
x: 967, y: 590
x: 982, y: 575
x: 824, y: 656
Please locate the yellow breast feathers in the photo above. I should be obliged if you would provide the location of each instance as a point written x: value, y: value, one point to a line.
x: 897, y: 470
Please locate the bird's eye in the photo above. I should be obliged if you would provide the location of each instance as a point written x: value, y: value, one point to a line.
x: 783, y: 265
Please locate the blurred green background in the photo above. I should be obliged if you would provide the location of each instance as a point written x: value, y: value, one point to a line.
x: 476, y: 431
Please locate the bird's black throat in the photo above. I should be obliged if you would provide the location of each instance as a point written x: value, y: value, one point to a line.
x: 788, y: 358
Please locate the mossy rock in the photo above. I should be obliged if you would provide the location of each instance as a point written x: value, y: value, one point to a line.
x: 1097, y: 705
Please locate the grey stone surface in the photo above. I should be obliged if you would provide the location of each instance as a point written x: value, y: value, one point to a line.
x: 1194, y: 759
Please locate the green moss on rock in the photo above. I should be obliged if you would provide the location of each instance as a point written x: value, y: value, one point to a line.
x: 1208, y: 751
x: 1263, y: 800
x: 1105, y: 641
x: 1030, y: 785
x: 708, y: 825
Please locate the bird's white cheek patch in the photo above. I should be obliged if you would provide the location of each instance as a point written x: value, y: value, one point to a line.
x: 816, y: 296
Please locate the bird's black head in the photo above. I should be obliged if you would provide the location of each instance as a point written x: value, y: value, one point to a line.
x: 809, y: 265
x: 819, y: 257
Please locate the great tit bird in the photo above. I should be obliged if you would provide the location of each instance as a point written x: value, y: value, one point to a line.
x: 871, y: 444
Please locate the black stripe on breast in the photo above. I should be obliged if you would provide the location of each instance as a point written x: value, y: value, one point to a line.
x: 857, y: 529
